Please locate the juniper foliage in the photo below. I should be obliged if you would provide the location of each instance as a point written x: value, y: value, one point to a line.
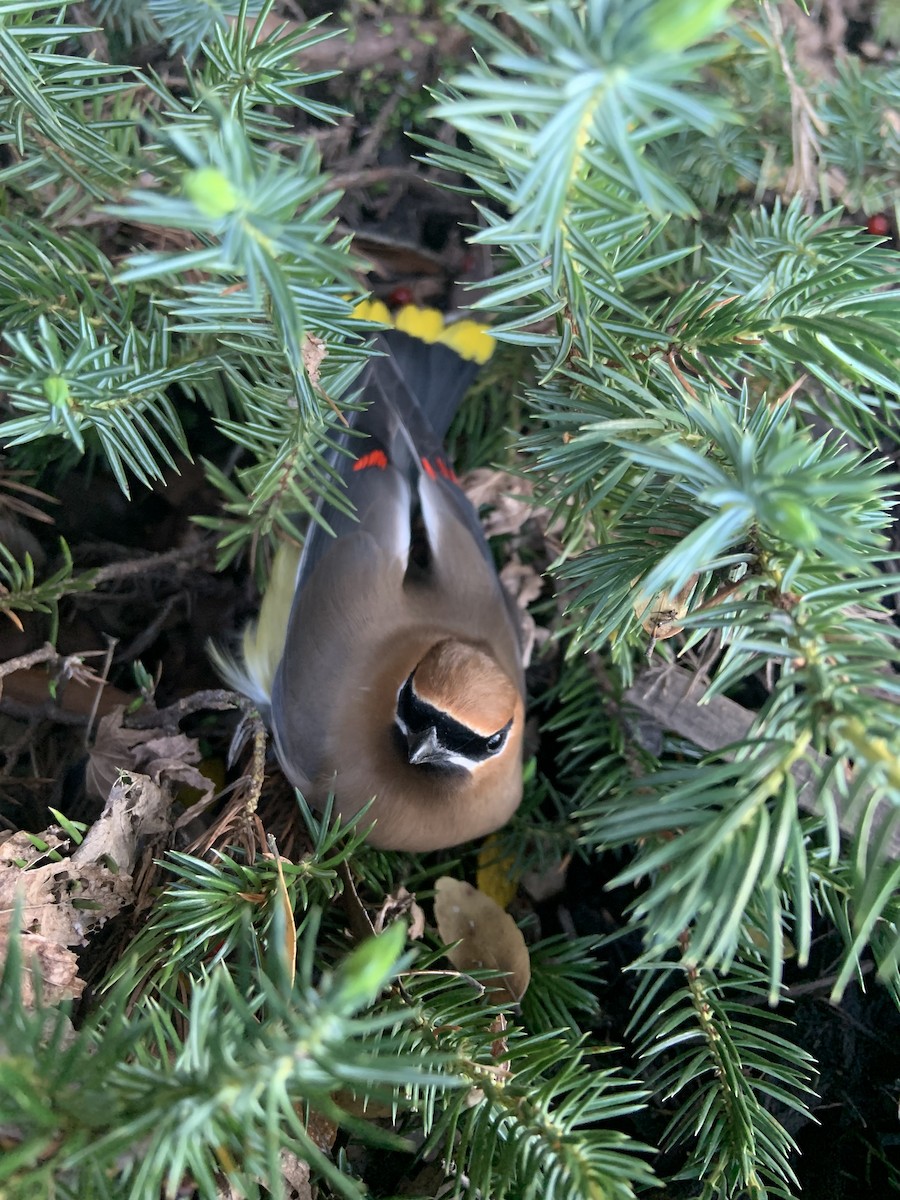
x: 709, y: 387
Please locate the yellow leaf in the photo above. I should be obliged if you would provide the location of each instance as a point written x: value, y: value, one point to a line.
x: 495, y: 875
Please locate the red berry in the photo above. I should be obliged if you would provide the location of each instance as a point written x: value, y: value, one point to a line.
x: 878, y: 225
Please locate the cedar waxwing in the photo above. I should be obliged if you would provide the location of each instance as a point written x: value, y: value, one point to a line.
x: 387, y: 660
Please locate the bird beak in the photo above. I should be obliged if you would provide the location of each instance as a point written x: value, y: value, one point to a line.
x: 424, y: 748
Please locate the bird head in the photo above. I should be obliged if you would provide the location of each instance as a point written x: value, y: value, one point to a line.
x: 456, y: 709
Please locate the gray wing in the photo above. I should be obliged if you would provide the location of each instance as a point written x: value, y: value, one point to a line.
x: 321, y: 650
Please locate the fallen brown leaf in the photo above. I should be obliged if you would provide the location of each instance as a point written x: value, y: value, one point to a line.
x: 295, y: 1175
x: 402, y: 904
x: 321, y: 1129
x: 507, y: 496
x: 164, y: 757
x: 662, y: 615
x: 541, y: 885
x: 19, y: 848
x: 56, y: 965
x: 488, y: 938
x: 525, y: 585
x: 62, y: 904
x: 137, y: 808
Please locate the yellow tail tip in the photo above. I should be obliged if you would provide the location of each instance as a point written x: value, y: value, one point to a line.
x: 375, y: 311
x: 426, y: 324
x: 469, y: 339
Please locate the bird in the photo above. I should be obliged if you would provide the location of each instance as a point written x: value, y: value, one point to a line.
x: 386, y: 659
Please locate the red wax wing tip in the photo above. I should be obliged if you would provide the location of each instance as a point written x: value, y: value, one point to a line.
x: 375, y: 458
x: 429, y: 469
x: 447, y: 471
x: 400, y: 296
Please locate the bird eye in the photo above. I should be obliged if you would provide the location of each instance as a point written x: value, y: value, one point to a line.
x: 495, y: 741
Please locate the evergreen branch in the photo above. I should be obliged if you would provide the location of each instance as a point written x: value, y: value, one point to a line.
x: 66, y: 279
x: 64, y: 116
x: 712, y: 1052
x: 77, y: 369
x: 213, y: 909
x: 567, y: 133
x: 129, y: 19
x: 257, y: 225
x: 563, y: 970
x: 860, y: 138
x: 191, y: 24
x: 205, y: 1081
x: 733, y: 829
x: 680, y: 348
x: 250, y: 73
x: 590, y: 107
x: 91, y: 385
x: 529, y: 1128
x: 21, y: 592
x: 130, y: 1096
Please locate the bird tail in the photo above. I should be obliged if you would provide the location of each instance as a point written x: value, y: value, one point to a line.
x: 436, y: 361
x: 251, y: 670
